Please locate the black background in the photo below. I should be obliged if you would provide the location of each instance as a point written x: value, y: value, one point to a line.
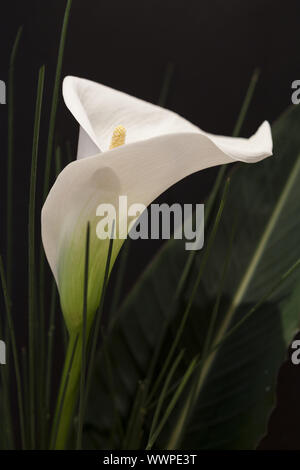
x: 214, y: 46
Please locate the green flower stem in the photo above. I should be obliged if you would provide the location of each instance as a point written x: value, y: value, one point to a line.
x: 10, y: 157
x: 75, y: 359
x: 68, y: 393
x: 32, y: 317
x: 55, y: 98
x: 46, y: 185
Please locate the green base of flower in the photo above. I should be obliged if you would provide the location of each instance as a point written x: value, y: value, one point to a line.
x: 68, y: 393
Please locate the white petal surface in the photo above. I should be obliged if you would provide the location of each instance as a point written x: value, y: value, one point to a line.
x: 141, y: 171
x: 86, y: 146
x: 162, y: 148
x: 254, y: 149
x: 99, y: 109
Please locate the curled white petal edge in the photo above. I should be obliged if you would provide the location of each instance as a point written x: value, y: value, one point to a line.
x: 141, y: 170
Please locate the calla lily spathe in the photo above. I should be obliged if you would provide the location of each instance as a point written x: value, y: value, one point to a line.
x: 161, y: 148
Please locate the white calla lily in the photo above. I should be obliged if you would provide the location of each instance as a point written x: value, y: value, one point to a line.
x: 161, y: 148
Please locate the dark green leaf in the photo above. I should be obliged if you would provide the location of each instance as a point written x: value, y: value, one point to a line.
x: 235, y: 387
